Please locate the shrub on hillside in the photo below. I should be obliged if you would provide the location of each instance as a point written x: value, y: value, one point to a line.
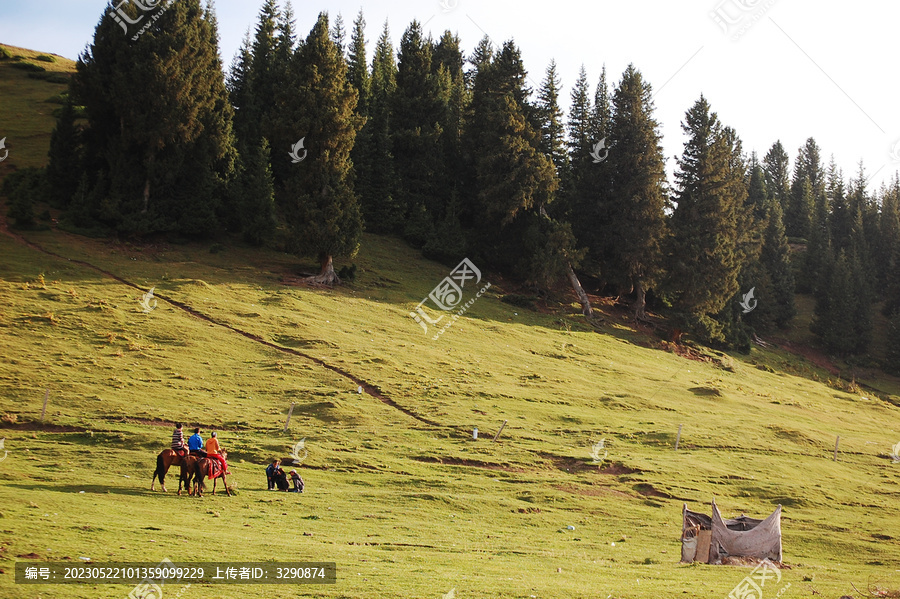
x: 29, y: 66
x: 24, y: 188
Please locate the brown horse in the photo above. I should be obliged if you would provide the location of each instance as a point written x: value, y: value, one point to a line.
x: 165, y: 459
x: 202, y: 471
x: 188, y: 472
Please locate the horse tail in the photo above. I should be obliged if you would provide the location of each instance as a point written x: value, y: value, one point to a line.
x: 160, y: 470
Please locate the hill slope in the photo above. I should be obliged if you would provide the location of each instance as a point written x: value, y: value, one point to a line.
x: 30, y: 84
x: 399, y: 495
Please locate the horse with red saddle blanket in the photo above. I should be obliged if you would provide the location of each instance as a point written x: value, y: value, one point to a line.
x: 194, y: 472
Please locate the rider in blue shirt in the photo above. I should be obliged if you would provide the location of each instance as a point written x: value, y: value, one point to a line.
x: 195, y: 444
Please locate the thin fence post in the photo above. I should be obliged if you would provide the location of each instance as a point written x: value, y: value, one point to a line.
x: 46, y: 398
x: 678, y: 437
x: 836, y: 442
x: 500, y: 431
x: 288, y: 421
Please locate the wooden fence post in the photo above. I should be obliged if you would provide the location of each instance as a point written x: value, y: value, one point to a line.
x: 288, y: 421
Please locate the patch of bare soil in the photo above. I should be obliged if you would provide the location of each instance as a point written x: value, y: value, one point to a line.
x: 466, y: 462
x: 40, y: 426
x: 617, y: 469
x: 732, y: 560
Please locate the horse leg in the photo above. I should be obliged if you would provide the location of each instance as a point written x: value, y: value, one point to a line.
x: 162, y: 477
x: 225, y: 484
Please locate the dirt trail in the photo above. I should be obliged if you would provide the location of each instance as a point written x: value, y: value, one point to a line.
x: 369, y: 388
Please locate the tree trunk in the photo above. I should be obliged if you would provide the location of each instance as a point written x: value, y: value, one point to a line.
x: 579, y: 291
x: 327, y: 276
x: 640, y: 300
x: 147, y: 184
x: 146, y: 195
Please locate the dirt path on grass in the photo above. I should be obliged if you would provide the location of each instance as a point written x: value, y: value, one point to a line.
x: 369, y: 388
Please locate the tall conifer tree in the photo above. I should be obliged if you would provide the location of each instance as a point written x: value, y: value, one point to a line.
x: 318, y: 103
x: 634, y: 225
x: 160, y: 145
x: 705, y: 266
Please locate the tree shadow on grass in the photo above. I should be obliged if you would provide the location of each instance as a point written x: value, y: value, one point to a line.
x: 94, y: 489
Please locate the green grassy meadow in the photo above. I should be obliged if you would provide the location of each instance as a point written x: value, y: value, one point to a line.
x: 400, y: 496
x: 398, y: 493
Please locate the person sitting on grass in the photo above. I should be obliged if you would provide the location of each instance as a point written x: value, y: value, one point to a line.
x: 298, y: 482
x: 280, y: 479
x: 178, y: 441
x: 214, y: 452
x: 270, y: 474
x: 195, y: 444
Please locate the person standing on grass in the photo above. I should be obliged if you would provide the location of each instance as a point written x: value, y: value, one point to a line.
x: 195, y: 444
x: 214, y: 451
x: 178, y: 441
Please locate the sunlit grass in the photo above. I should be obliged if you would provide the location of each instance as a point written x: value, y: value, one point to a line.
x: 405, y: 508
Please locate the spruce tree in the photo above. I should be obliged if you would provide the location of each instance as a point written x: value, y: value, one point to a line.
x: 818, y: 240
x: 64, y: 165
x: 513, y: 175
x: 777, y: 166
x: 420, y: 102
x: 809, y: 166
x: 381, y: 208
x: 704, y: 269
x: 357, y: 66
x: 890, y: 235
x: 634, y: 225
x: 515, y: 180
x: 864, y: 238
x: 259, y: 79
x: 339, y: 34
x: 580, y: 142
x: 601, y: 116
x: 160, y: 134
x: 839, y: 217
x: 257, y: 197
x: 552, y: 128
x: 757, y: 194
x: 586, y: 193
x: 318, y: 103
x: 579, y: 197
x: 776, y: 298
x: 239, y: 92
x: 842, y: 319
x: 449, y: 240
x: 364, y: 147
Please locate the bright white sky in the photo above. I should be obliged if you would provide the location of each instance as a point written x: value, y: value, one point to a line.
x: 786, y: 69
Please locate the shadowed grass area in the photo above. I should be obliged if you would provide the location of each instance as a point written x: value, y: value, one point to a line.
x: 407, y: 508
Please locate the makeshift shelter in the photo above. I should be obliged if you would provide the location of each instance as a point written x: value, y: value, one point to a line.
x: 710, y: 539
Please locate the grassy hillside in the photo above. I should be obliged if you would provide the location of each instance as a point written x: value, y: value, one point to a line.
x: 399, y: 495
x: 398, y: 492
x: 30, y: 84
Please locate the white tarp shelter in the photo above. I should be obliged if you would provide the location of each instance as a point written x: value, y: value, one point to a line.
x: 710, y: 539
